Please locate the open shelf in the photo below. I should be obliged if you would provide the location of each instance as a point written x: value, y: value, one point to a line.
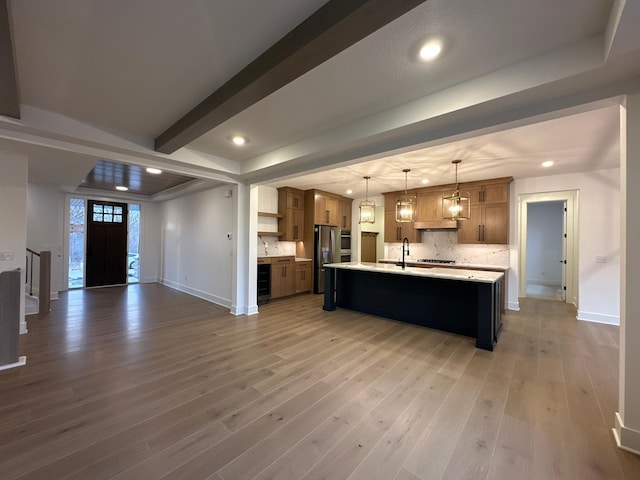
x: 272, y: 215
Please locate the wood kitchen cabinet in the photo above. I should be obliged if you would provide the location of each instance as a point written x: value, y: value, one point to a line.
x: 345, y: 213
x: 283, y: 279
x: 291, y: 207
x: 429, y: 210
x: 303, y: 277
x: 328, y: 209
x: 489, y: 222
x: 395, y: 232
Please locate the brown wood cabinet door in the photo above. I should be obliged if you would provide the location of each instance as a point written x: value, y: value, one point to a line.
x: 496, y: 228
x: 303, y: 277
x: 326, y: 210
x: 475, y: 194
x: 294, y: 225
x: 345, y: 214
x: 295, y: 200
x: 470, y: 231
x: 392, y: 230
x: 429, y: 206
x: 497, y: 193
x: 368, y: 242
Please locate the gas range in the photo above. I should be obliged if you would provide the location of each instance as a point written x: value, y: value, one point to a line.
x: 435, y: 260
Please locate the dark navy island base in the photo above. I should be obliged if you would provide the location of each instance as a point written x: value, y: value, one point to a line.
x: 464, y: 307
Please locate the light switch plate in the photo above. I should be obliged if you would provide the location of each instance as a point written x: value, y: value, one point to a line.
x: 601, y: 259
x: 6, y: 255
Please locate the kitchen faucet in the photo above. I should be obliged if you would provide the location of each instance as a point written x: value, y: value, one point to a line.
x: 405, y: 240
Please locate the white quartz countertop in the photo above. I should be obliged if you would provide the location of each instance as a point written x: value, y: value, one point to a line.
x: 466, y: 275
x: 450, y: 265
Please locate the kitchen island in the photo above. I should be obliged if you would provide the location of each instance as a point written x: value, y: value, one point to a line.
x: 466, y: 302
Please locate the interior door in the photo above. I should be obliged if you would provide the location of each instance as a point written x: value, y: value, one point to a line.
x: 106, y: 257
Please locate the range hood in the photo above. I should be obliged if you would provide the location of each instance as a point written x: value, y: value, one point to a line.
x: 436, y: 225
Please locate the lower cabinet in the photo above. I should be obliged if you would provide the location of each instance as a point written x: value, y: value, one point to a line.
x: 303, y: 277
x: 283, y: 282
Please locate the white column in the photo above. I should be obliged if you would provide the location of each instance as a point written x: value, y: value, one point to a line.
x: 245, y: 275
x: 13, y: 217
x: 627, y: 420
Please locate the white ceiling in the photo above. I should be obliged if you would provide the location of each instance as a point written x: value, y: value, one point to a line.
x: 128, y: 70
x: 575, y: 143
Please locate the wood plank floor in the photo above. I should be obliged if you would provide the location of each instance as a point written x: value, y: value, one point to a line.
x: 146, y: 382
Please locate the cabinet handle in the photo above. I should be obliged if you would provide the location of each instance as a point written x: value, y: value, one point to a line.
x: 479, y: 233
x: 344, y: 221
x: 295, y: 232
x: 326, y: 216
x: 398, y: 230
x: 295, y: 203
x: 484, y: 238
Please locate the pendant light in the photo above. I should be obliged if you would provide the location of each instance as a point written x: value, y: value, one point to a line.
x: 406, y: 204
x: 456, y: 206
x: 367, y: 207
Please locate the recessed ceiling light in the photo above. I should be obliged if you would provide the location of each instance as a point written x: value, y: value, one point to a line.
x: 547, y: 164
x: 349, y: 192
x: 122, y: 188
x: 238, y: 140
x: 155, y: 171
x: 430, y: 50
x: 424, y: 181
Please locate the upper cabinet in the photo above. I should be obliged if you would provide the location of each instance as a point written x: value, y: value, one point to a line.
x: 329, y: 209
x: 291, y: 208
x: 344, y: 219
x: 489, y: 222
x: 429, y: 210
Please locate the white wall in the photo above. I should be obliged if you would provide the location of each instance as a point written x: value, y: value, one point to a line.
x: 598, y: 232
x: 544, y: 243
x: 45, y: 206
x: 196, y: 253
x: 13, y: 216
x: 150, y: 242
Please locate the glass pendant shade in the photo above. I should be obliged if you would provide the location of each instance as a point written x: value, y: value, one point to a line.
x: 367, y: 211
x: 456, y: 206
x: 406, y: 204
x: 367, y: 207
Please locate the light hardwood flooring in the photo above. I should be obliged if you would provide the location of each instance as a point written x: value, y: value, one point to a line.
x: 146, y: 382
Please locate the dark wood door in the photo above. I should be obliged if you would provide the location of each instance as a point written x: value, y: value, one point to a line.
x: 106, y: 262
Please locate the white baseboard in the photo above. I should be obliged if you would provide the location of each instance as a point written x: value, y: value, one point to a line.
x: 598, y: 318
x: 52, y: 296
x: 240, y: 310
x: 21, y: 361
x: 150, y: 280
x: 626, y: 438
x: 513, y: 306
x: 198, y: 293
x: 23, y: 327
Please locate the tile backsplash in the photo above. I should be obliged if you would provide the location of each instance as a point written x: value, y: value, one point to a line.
x: 444, y: 245
x: 274, y: 247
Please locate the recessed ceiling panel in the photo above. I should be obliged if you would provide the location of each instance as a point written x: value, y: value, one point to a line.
x: 107, y: 175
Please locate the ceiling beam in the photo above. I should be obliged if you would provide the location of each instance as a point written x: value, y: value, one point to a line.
x: 9, y: 101
x: 334, y: 27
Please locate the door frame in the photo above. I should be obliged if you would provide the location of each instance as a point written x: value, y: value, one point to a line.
x: 571, y: 198
x: 65, y: 229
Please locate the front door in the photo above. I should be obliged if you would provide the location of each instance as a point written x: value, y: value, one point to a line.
x: 106, y: 262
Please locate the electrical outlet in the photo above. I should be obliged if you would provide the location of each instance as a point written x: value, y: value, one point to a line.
x: 601, y: 259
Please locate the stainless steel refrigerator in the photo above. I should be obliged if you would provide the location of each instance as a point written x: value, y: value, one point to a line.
x: 326, y: 250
